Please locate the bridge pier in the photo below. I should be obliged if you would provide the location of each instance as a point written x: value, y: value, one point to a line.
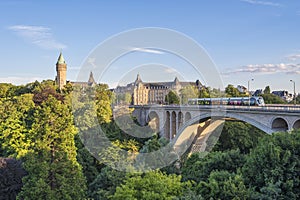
x: 170, y: 127
x: 176, y: 128
x: 161, y: 127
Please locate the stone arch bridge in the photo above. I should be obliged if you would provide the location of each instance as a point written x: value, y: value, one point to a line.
x: 171, y: 120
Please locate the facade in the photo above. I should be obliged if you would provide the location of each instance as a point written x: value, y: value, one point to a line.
x: 90, y: 83
x: 144, y: 93
x: 61, y: 75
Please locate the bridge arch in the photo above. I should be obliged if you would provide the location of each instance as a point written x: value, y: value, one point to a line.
x: 153, y: 121
x: 279, y: 124
x: 296, y: 124
x: 249, y: 120
x: 187, y: 116
x: 215, y: 116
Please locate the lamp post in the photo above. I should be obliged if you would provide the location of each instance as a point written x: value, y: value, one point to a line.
x: 294, y: 91
x: 249, y: 90
x: 249, y: 86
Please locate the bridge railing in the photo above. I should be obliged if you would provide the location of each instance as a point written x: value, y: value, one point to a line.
x: 292, y: 109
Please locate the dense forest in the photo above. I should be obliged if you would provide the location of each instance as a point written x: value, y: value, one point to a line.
x: 43, y: 153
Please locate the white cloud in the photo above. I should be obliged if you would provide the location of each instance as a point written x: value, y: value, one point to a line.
x: 288, y: 68
x: 92, y: 61
x: 19, y: 80
x: 264, y: 3
x: 147, y: 50
x: 170, y: 71
x: 38, y: 35
x: 293, y: 57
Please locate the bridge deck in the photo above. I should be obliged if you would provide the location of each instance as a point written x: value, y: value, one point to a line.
x: 272, y: 108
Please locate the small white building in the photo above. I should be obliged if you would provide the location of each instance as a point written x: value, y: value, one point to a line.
x: 242, y: 89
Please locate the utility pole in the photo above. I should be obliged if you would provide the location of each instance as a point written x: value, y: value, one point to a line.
x: 249, y: 89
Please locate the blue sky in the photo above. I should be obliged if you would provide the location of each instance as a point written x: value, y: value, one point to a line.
x: 246, y: 39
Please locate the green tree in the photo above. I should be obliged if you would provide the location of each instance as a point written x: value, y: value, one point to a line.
x: 223, y: 185
x: 190, y: 194
x: 267, y: 90
x: 106, y: 183
x: 90, y: 165
x: 53, y: 171
x: 272, y: 168
x: 30, y: 87
x: 172, y: 98
x: 154, y: 144
x: 298, y: 99
x: 103, y: 103
x: 204, y: 92
x: 11, y: 174
x: 151, y: 186
x: 214, y: 93
x: 128, y: 98
x: 198, y: 168
x: 188, y: 92
x: 8, y: 90
x: 238, y: 135
x: 293, y: 100
x: 15, y: 123
x: 123, y: 98
x: 120, y: 155
x: 231, y: 91
x: 272, y: 99
x: 68, y: 88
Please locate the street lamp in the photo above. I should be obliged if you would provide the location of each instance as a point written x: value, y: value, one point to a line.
x: 249, y: 90
x: 294, y: 91
x: 249, y: 86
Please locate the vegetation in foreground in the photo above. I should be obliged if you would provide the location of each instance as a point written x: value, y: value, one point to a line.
x: 43, y: 157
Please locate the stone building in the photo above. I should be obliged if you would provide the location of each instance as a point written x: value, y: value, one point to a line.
x: 61, y: 71
x: 61, y: 75
x: 90, y: 83
x: 242, y: 89
x: 144, y: 93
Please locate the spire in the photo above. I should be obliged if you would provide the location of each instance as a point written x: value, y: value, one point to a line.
x: 138, y: 79
x: 61, y: 59
x: 91, y: 80
x: 176, y: 81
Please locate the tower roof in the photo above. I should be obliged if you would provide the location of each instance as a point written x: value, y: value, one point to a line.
x: 176, y: 81
x: 138, y: 79
x: 91, y: 80
x: 61, y: 59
